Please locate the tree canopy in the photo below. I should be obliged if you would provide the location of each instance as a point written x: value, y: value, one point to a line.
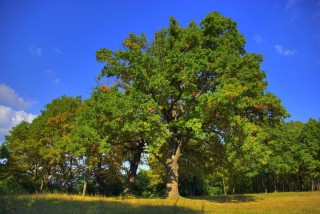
x: 191, y: 101
x: 200, y: 83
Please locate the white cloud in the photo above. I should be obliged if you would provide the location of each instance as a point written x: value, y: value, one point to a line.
x: 10, y: 118
x: 10, y: 98
x: 257, y: 38
x: 35, y: 51
x: 283, y: 51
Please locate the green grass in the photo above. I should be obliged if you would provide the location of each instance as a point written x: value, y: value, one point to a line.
x: 294, y: 202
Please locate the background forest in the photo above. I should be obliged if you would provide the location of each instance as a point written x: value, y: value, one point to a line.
x: 191, y: 105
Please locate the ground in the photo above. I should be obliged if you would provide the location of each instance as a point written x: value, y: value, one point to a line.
x: 293, y: 202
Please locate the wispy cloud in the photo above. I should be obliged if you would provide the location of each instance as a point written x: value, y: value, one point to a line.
x: 53, y: 74
x: 50, y: 72
x: 35, y: 51
x: 57, y: 50
x: 56, y: 81
x: 284, y: 51
x: 10, y: 98
x: 257, y: 38
x: 290, y: 4
x: 10, y: 118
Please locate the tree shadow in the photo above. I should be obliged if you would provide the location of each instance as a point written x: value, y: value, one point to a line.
x: 228, y: 198
x: 54, y: 205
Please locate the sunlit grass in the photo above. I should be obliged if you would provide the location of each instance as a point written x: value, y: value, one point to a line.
x: 297, y: 202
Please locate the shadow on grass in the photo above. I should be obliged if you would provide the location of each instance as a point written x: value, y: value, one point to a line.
x: 30, y: 205
x: 228, y: 198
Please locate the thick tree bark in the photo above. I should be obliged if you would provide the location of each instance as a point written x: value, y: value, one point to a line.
x: 173, y: 173
x: 131, y: 176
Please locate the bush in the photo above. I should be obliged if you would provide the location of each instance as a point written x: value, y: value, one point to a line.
x: 212, y: 191
x: 13, y: 185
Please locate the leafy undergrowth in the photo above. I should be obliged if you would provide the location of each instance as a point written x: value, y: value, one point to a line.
x: 301, y: 202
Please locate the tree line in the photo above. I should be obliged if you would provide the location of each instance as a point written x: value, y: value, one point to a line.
x: 191, y: 104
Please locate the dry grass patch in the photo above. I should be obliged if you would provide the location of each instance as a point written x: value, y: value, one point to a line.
x: 305, y: 202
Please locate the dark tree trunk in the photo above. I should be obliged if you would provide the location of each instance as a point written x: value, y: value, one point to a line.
x: 190, y: 189
x: 134, y: 163
x: 192, y: 186
x: 131, y: 177
x: 62, y: 179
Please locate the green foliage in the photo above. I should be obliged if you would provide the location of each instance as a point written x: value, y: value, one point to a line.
x: 199, y: 83
x: 310, y: 148
x: 193, y: 99
x: 146, y: 186
x: 212, y: 191
x: 16, y: 185
x: 293, y: 161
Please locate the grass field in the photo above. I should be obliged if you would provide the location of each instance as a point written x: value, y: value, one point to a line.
x: 294, y: 202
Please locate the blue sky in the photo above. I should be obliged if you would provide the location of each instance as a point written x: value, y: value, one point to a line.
x: 47, y: 48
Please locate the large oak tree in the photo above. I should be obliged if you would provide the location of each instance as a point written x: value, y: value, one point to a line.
x: 201, y: 85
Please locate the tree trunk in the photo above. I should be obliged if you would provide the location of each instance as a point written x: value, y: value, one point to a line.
x: 84, y: 188
x: 275, y: 183
x: 36, y: 177
x: 192, y: 186
x: 190, y: 189
x: 62, y: 177
x: 44, y: 180
x: 41, y: 186
x: 172, y: 168
x: 134, y: 163
x: 131, y: 177
x: 225, y: 188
